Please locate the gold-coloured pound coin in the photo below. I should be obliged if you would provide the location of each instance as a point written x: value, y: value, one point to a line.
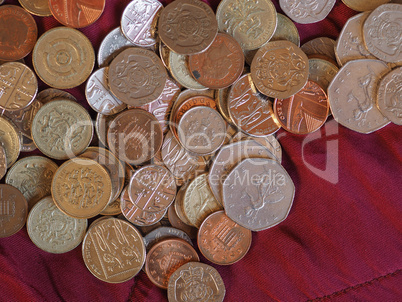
x: 63, y: 57
x: 363, y: 5
x: 10, y: 141
x: 3, y: 162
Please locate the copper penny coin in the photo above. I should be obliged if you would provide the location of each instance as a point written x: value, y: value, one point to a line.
x: 167, y: 256
x: 220, y: 65
x: 279, y: 69
x: 18, y: 33
x: 3, y: 162
x: 249, y: 110
x: 187, y: 26
x: 137, y: 76
x: 77, y: 13
x: 306, y: 12
x: 196, y: 281
x: 13, y: 210
x: 389, y: 99
x: 177, y: 223
x: 135, y: 136
x: 304, y: 112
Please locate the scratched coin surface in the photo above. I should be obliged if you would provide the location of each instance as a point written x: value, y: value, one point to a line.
x: 51, y: 94
x: 37, y: 7
x: 77, y: 13
x: 18, y: 86
x: 137, y: 76
x: 99, y: 96
x: 258, y: 194
x: 279, y: 69
x: 166, y: 257
x: 33, y: 176
x: 138, y: 21
x: 389, y: 99
x: 81, y: 188
x: 353, y: 93
x: 113, y: 44
x: 63, y: 57
x: 382, y: 32
x: 196, y: 281
x: 53, y: 231
x: 3, y: 162
x: 187, y: 26
x: 363, y: 5
x: 322, y: 72
x: 62, y: 129
x: 181, y: 73
x: 18, y: 33
x: 9, y: 140
x: 251, y: 23
x: 223, y: 241
x: 220, y: 65
x: 249, y: 110
x: 135, y: 136
x: 113, y: 250
x: 321, y: 45
x: 162, y: 233
x: 305, y: 12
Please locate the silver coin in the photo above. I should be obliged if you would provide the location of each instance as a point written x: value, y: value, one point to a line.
x: 163, y: 233
x: 390, y: 96
x: 113, y: 44
x: 306, y: 12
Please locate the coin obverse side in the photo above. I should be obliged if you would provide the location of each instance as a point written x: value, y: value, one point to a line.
x: 258, y: 194
x: 196, y: 280
x: 304, y: 12
x: 63, y: 57
x: 62, y: 129
x: 113, y: 250
x: 10, y: 141
x: 53, y: 231
x: 389, y: 99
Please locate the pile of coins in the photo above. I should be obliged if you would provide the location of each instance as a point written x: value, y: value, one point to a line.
x: 185, y: 129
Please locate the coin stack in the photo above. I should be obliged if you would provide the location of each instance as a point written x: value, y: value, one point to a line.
x: 185, y: 129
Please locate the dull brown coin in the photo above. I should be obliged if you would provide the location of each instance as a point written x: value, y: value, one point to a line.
x: 195, y: 280
x: 3, y: 162
x: 363, y: 5
x: 9, y: 140
x: 223, y: 241
x: 37, y: 7
x: 135, y: 136
x: 177, y: 223
x: 220, y: 65
x: 137, y: 76
x: 13, y: 210
x: 77, y: 13
x: 113, y: 250
x: 389, y: 99
x: 187, y: 26
x: 18, y: 33
x: 306, y: 12
x: 322, y: 45
x: 167, y: 256
x: 304, y: 112
x: 51, y: 94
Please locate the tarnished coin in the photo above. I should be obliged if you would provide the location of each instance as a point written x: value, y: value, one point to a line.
x: 223, y: 241
x: 187, y: 26
x: 196, y: 280
x: 279, y: 69
x: 389, y: 99
x: 77, y: 13
x: 251, y: 23
x: 322, y: 72
x: 138, y: 21
x: 3, y: 162
x: 9, y: 140
x: 99, y: 96
x: 18, y: 86
x: 51, y: 94
x: 220, y: 65
x: 177, y: 223
x: 199, y: 201
x: 286, y: 30
x: 163, y: 233
x: 18, y: 33
x: 135, y: 136
x: 258, y: 194
x: 350, y: 44
x: 37, y: 7
x: 180, y: 72
x: 250, y: 111
x: 166, y: 257
x: 137, y: 76
x: 113, y: 44
x: 304, y: 112
x: 13, y: 210
x: 53, y: 231
x: 102, y: 124
x: 363, y: 5
x: 306, y: 12
x: 63, y: 57
x: 33, y: 176
x: 81, y: 188
x: 352, y: 95
x: 228, y: 157
x: 382, y: 32
x: 62, y: 129
x: 322, y: 45
x: 113, y: 250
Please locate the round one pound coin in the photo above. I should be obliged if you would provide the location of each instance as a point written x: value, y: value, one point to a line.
x: 10, y: 141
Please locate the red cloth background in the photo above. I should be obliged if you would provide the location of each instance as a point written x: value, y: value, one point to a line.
x: 342, y: 240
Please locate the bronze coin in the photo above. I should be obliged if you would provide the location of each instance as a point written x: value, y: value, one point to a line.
x: 51, y: 94
x: 177, y: 223
x: 135, y: 136
x: 77, y: 13
x: 18, y: 33
x: 167, y: 256
x: 220, y: 65
x: 304, y: 112
x: 13, y: 210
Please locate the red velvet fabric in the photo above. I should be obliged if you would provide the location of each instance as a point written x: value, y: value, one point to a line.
x: 341, y: 242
